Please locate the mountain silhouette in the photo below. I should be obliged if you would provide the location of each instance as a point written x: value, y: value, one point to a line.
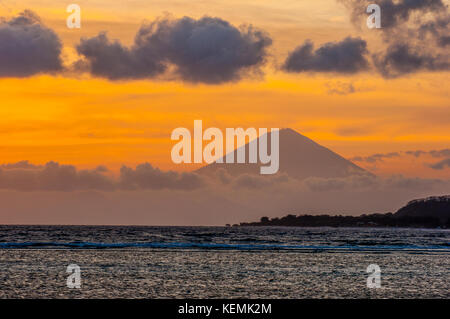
x: 300, y: 157
x: 434, y: 206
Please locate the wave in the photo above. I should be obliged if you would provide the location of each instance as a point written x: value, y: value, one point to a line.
x: 220, y: 246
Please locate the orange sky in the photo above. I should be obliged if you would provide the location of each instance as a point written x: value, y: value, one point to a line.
x: 80, y: 120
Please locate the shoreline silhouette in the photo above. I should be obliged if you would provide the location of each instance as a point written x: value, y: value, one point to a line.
x: 430, y: 212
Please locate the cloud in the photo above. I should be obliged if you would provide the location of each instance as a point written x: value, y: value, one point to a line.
x: 441, y: 164
x: 435, y: 153
x: 51, y: 177
x: 340, y: 88
x: 379, y: 157
x: 416, y: 153
x: 393, y: 13
x: 412, y: 183
x: 208, y: 50
x: 252, y: 181
x: 400, y: 59
x: 375, y: 157
x: 28, y: 47
x: 54, y: 177
x: 145, y: 176
x: 20, y: 164
x: 444, y: 41
x: 153, y: 197
x: 440, y: 153
x: 347, y: 56
x: 23, y: 176
x: 368, y: 182
x: 112, y: 60
x: 415, y: 33
x: 319, y: 184
x: 437, y: 29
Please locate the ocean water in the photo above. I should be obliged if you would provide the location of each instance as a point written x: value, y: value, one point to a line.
x: 219, y: 262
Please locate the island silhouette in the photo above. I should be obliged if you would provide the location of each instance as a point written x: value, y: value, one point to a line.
x: 430, y: 212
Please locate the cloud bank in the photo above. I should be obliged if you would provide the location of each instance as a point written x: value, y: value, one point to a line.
x: 402, y: 58
x: 23, y: 176
x: 62, y: 194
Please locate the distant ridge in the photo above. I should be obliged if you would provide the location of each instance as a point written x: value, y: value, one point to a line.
x: 300, y: 157
x: 433, y: 206
x: 430, y: 212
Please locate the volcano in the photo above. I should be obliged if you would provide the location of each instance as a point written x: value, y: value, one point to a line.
x: 300, y: 157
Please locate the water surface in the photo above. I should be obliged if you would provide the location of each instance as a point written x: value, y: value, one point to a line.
x: 218, y: 262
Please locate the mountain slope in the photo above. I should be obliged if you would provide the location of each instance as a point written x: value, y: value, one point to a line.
x: 300, y: 157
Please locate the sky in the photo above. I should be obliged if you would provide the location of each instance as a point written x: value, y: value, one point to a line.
x: 110, y: 93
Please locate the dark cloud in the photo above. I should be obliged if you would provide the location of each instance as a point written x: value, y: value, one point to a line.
x: 112, y: 60
x: 401, y: 58
x: 441, y: 164
x: 347, y: 56
x: 415, y: 33
x: 27, y: 47
x: 393, y: 12
x: 437, y: 29
x: 444, y: 41
x: 207, y: 50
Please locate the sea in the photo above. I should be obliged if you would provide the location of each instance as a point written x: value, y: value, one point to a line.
x: 223, y: 262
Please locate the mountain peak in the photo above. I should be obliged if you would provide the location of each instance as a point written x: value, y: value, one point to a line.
x: 300, y: 157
